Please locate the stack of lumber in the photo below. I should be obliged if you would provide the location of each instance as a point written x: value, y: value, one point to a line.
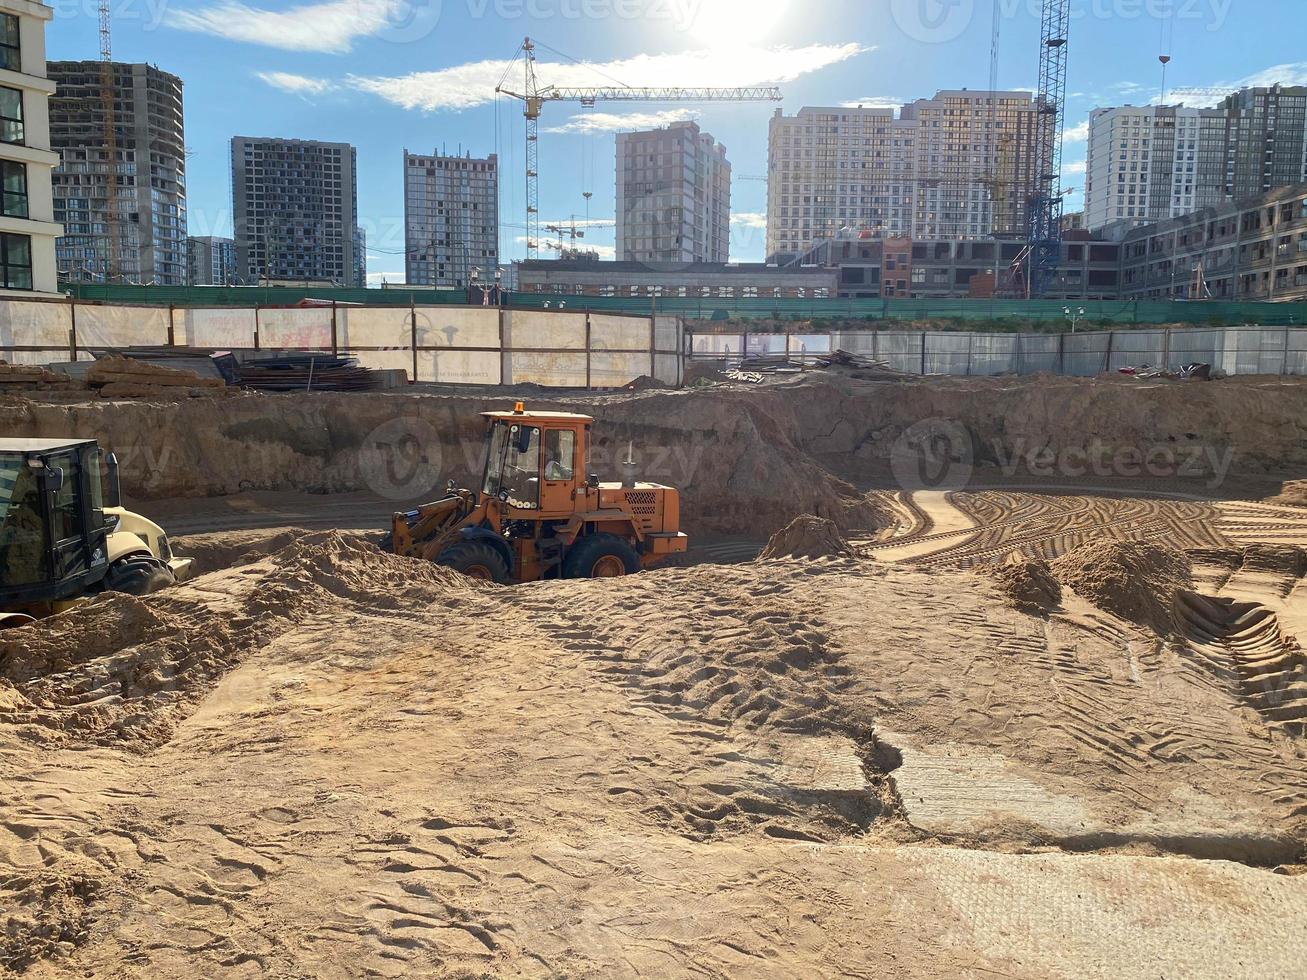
x: 308, y: 372
x: 846, y: 358
x: 23, y: 377
x: 116, y: 376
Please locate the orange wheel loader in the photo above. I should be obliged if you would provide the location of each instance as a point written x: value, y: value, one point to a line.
x: 536, y: 516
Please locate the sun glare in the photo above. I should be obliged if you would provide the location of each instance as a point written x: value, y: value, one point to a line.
x: 723, y: 23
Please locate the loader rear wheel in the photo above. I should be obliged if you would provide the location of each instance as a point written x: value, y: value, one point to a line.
x: 601, y: 556
x: 139, y: 575
x: 476, y: 560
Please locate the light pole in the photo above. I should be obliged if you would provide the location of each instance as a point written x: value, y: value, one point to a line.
x: 1075, y: 316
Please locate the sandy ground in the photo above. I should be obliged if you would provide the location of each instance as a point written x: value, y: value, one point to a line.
x: 1019, y: 729
x: 334, y: 763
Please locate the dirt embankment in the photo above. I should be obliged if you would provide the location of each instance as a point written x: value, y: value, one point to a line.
x: 1247, y: 426
x: 733, y: 455
x: 745, y: 460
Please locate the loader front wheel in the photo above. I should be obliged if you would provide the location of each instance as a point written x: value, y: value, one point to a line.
x: 476, y: 560
x: 601, y: 556
x: 139, y: 575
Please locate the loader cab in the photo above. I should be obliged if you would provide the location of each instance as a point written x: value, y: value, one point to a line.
x: 535, y: 462
x: 53, y: 527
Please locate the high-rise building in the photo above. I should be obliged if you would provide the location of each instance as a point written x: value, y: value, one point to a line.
x: 975, y: 163
x: 673, y: 196
x: 295, y: 211
x: 1154, y: 163
x: 211, y: 261
x: 451, y: 218
x: 1266, y: 140
x: 958, y: 166
x: 148, y: 173
x: 27, y: 226
x: 1148, y: 164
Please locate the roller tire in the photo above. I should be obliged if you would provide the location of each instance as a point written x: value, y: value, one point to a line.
x: 476, y: 560
x: 139, y: 575
x: 601, y: 556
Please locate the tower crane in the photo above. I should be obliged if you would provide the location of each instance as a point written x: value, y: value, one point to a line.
x: 534, y: 96
x: 1046, y: 202
x: 112, y: 222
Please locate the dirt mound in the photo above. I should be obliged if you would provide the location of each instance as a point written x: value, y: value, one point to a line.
x: 217, y: 550
x: 1028, y: 584
x: 807, y: 537
x: 121, y: 670
x: 1135, y: 580
x: 1294, y: 492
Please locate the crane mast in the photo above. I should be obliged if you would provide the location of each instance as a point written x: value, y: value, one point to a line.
x: 534, y: 97
x: 1045, y: 244
x: 112, y: 222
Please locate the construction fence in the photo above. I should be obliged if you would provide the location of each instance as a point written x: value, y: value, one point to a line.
x: 718, y: 307
x: 447, y: 345
x: 1234, y: 350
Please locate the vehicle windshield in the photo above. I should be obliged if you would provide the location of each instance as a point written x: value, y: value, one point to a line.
x: 513, y: 473
x: 24, y: 548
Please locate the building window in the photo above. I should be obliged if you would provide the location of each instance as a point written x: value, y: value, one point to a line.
x: 11, y: 50
x: 11, y: 53
x: 11, y: 115
x: 16, y: 261
x: 13, y: 189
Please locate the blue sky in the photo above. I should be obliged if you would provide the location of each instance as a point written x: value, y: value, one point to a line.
x: 390, y: 74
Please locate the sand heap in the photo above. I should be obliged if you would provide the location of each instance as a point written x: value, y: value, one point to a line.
x: 1135, y: 580
x: 807, y: 537
x: 121, y: 671
x: 1294, y: 492
x: 217, y: 550
x: 1028, y: 584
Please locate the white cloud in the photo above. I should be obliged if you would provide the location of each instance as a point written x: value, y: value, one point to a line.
x: 1292, y: 73
x: 749, y: 219
x: 296, y: 84
x: 612, y: 122
x: 393, y: 278
x: 1076, y: 167
x: 473, y: 84
x: 874, y: 102
x: 1076, y: 134
x: 330, y: 26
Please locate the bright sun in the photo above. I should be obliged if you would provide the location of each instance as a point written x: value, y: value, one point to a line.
x: 723, y: 23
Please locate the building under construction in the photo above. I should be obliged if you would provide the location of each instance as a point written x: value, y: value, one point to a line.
x: 148, y: 172
x: 960, y: 166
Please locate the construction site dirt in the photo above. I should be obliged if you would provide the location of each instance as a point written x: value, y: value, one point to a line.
x: 959, y: 677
